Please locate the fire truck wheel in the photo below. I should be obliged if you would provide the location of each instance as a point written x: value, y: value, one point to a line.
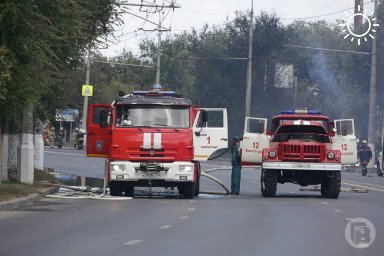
x: 323, y: 185
x: 331, y: 187
x: 197, y: 187
x: 187, y: 190
x: 268, y: 183
x: 128, y: 190
x: 115, y: 188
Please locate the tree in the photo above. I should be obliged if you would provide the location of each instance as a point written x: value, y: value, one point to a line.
x: 41, y: 42
x: 44, y: 40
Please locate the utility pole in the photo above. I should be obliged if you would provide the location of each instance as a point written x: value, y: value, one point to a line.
x: 158, y: 51
x: 85, y: 104
x: 295, y: 92
x: 248, y: 90
x: 372, y: 92
x: 358, y: 19
x: 159, y: 8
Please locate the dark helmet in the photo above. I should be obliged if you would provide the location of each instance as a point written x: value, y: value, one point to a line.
x: 235, y: 139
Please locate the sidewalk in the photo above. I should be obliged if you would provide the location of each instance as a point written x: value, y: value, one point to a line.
x: 26, y: 200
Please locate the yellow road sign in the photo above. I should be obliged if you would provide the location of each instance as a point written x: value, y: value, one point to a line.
x: 87, y: 90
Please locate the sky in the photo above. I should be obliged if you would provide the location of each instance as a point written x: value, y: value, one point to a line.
x: 196, y: 13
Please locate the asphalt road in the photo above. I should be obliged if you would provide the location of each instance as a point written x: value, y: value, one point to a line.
x: 293, y: 223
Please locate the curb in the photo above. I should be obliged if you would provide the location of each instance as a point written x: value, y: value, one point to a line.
x: 26, y: 200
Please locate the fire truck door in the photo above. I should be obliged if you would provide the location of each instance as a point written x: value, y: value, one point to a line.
x: 210, y: 132
x: 99, y: 130
x: 254, y: 140
x: 345, y: 141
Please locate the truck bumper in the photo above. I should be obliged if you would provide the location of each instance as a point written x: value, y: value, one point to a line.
x: 166, y: 172
x: 301, y: 166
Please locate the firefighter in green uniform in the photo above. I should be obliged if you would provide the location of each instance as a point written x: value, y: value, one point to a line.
x: 236, y: 168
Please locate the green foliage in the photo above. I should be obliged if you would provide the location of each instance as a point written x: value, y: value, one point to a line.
x: 45, y: 40
x: 5, y: 71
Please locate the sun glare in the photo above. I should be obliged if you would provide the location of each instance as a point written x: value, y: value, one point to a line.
x: 361, y: 35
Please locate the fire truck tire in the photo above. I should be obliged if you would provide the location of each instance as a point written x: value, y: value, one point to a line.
x: 197, y: 184
x: 268, y: 183
x: 196, y: 190
x: 128, y: 190
x: 331, y: 187
x: 322, y: 189
x: 115, y: 188
x: 187, y: 190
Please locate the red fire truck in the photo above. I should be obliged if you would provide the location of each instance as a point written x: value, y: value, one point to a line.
x: 154, y: 138
x: 302, y: 147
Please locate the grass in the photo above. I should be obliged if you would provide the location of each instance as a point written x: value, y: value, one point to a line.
x: 12, y: 189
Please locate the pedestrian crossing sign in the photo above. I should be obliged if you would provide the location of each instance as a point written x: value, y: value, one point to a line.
x: 87, y: 90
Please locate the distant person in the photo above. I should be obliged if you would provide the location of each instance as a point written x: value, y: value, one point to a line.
x: 74, y: 137
x: 344, y: 131
x: 51, y: 136
x: 365, y: 155
x: 236, y: 168
x: 379, y: 164
x: 261, y: 127
x: 331, y: 129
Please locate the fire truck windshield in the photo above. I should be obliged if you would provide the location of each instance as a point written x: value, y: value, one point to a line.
x: 159, y: 116
x: 308, y: 133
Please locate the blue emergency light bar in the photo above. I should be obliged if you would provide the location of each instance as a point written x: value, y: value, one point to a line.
x: 156, y: 90
x: 161, y: 93
x: 301, y: 111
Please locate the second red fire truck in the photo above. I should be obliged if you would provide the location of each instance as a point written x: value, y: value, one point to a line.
x: 302, y: 147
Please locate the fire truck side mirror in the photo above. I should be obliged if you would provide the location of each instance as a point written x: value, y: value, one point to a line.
x: 204, y: 117
x: 104, y: 118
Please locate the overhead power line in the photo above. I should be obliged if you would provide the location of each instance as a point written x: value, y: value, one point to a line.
x: 123, y: 64
x: 323, y: 15
x: 207, y: 58
x: 153, y: 23
x: 171, y: 5
x: 325, y: 49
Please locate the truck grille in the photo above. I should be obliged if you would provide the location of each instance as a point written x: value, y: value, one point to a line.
x: 293, y: 152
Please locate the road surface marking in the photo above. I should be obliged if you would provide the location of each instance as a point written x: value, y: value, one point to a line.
x: 369, y: 188
x: 364, y: 183
x: 192, y: 201
x: 183, y: 217
x: 132, y: 242
x: 338, y: 210
x: 191, y: 209
x: 166, y: 226
x: 324, y: 202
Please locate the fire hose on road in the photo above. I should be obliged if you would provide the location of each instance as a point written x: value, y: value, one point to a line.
x: 83, y: 192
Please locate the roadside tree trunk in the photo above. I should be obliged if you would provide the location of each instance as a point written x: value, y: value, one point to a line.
x: 4, y: 144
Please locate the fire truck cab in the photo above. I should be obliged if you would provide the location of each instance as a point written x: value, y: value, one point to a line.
x: 154, y: 138
x: 302, y: 147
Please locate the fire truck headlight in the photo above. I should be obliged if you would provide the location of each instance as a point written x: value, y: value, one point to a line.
x: 117, y: 167
x: 185, y: 168
x: 272, y: 154
x: 331, y: 155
